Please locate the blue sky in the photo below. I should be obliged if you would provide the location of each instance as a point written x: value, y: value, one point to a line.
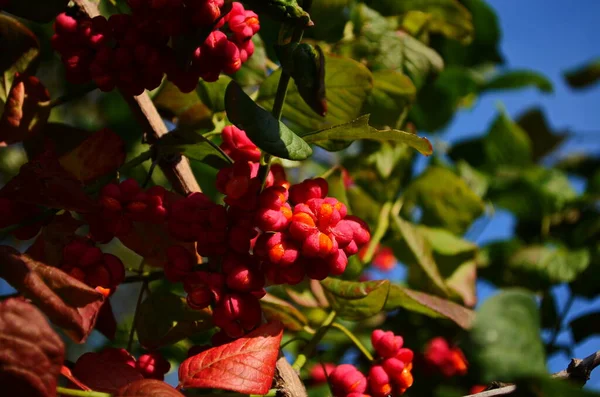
x: 548, y: 36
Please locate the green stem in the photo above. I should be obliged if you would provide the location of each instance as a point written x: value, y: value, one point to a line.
x: 80, y: 393
x: 282, y: 87
x: 309, y: 349
x: 137, y: 308
x: 354, y: 340
x: 383, y: 224
x: 146, y: 277
x: 75, y: 94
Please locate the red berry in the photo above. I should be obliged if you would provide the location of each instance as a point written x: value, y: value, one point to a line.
x: 153, y: 366
x: 346, y: 379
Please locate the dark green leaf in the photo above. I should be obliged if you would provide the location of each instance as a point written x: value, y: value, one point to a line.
x: 392, y: 94
x: 278, y: 309
x: 438, y: 100
x: 507, y: 329
x: 484, y: 49
x: 412, y: 248
x: 543, y: 139
x: 44, y: 11
x: 187, y: 110
x: 268, y: 133
x: 254, y: 70
x: 548, y: 310
x: 518, y: 79
x: 331, y: 138
x: 165, y: 318
x: 448, y: 17
x: 445, y: 200
x: 20, y: 50
x: 507, y: 144
x: 584, y: 76
x: 194, y: 146
x: 213, y: 94
x: 309, y: 75
x: 329, y: 17
x: 585, y: 326
x: 429, y: 305
x: 348, y: 84
x: 355, y: 300
x: 287, y: 11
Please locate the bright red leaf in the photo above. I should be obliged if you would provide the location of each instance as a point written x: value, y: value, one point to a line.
x: 104, y: 375
x: 68, y: 302
x: 246, y: 365
x: 84, y: 163
x: 31, y: 353
x: 148, y: 388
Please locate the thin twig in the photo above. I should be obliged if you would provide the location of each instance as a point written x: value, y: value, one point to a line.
x: 560, y: 320
x: 179, y: 173
x: 578, y: 372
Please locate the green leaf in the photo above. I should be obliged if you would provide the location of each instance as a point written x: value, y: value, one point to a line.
x: 445, y: 200
x: 583, y: 76
x: 386, y: 48
x: 278, y: 309
x: 309, y: 75
x: 438, y: 100
x: 448, y: 17
x: 518, y: 79
x: 254, y: 70
x: 356, y: 300
x: 330, y: 18
x: 332, y: 138
x: 454, y: 258
x: 392, y: 95
x: 585, y: 326
x: 187, y: 110
x: 348, y: 83
x: 37, y: 11
x: 268, y: 133
x: 20, y: 50
x: 507, y: 329
x: 484, y: 49
x: 411, y: 247
x: 165, y: 318
x: 287, y: 11
x: 194, y: 146
x: 429, y: 305
x: 507, y: 144
x: 515, y: 190
x: 543, y: 139
x: 213, y: 94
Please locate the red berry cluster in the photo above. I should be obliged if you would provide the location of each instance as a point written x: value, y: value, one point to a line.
x: 13, y: 213
x: 131, y: 52
x: 390, y: 374
x: 150, y: 365
x: 124, y: 203
x: 445, y: 359
x: 279, y: 235
x: 87, y: 263
x: 383, y: 259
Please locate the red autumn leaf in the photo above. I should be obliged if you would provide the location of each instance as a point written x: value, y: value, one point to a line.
x: 48, y: 247
x: 44, y: 182
x: 26, y: 110
x: 104, y: 375
x: 68, y: 302
x: 84, y: 163
x: 148, y: 388
x: 246, y: 365
x: 31, y: 353
x: 107, y: 323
